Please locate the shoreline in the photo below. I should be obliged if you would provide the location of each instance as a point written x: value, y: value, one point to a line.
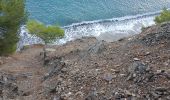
x: 127, y: 27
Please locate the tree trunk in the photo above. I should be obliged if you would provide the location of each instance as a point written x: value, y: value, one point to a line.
x: 44, y: 53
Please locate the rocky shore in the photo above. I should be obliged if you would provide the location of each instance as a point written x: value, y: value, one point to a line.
x: 133, y: 68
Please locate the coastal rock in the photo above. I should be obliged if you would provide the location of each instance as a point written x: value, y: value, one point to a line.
x: 8, y: 86
x: 160, y: 34
x: 97, y: 47
x: 57, y: 66
x: 137, y: 71
x: 138, y: 67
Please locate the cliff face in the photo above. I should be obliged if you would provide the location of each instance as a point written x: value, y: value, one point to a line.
x: 137, y: 68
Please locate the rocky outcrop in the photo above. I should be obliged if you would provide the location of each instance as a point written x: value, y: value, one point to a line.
x: 156, y: 35
x: 8, y: 87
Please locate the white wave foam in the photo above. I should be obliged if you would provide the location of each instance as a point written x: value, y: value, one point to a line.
x: 138, y: 16
x: 109, y: 29
x: 27, y: 39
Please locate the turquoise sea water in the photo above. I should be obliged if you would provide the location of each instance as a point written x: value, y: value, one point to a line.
x: 107, y: 20
x: 65, y: 12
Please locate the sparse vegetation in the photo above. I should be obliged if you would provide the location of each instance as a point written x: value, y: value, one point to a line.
x: 47, y: 33
x: 143, y: 28
x: 163, y: 17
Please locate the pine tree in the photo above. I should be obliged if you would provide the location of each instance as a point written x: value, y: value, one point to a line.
x: 12, y: 15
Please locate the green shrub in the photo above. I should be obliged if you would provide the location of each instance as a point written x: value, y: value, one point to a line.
x: 47, y: 33
x: 12, y: 15
x: 163, y: 17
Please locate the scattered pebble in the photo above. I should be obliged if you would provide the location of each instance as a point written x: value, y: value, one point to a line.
x: 108, y: 77
x: 1, y: 62
x: 136, y: 59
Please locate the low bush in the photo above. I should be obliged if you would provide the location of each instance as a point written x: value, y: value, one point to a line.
x: 163, y: 17
x: 47, y: 33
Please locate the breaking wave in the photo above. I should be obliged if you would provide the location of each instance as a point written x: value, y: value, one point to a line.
x: 107, y: 29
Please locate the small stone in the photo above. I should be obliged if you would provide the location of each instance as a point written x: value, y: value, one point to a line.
x: 98, y: 70
x: 108, y: 77
x: 129, y: 93
x: 136, y: 59
x: 147, y: 61
x: 122, y: 75
x: 68, y: 94
x: 116, y: 65
x: 148, y: 69
x: 130, y: 77
x: 79, y: 93
x: 147, y: 53
x: 155, y: 95
x: 134, y: 75
x: 26, y: 93
x: 91, y: 97
x: 115, y: 71
x: 168, y: 97
x: 161, y: 89
x: 166, y: 63
x: 64, y: 70
x: 129, y: 39
x: 50, y: 50
x: 168, y: 71
x: 1, y: 62
x: 137, y: 67
x: 119, y: 96
x: 160, y: 71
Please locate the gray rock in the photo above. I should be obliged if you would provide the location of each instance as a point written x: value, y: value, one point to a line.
x: 168, y: 97
x: 137, y: 72
x: 97, y: 48
x: 8, y: 87
x: 161, y: 33
x: 57, y: 66
x: 108, y: 77
x: 155, y: 95
x: 161, y: 89
x: 136, y: 59
x: 91, y: 97
x: 138, y: 67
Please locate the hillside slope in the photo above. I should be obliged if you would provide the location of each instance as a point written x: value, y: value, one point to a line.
x: 136, y: 68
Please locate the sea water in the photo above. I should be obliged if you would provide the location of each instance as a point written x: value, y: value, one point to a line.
x: 105, y: 19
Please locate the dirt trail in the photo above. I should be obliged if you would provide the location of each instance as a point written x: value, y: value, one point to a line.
x: 27, y: 68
